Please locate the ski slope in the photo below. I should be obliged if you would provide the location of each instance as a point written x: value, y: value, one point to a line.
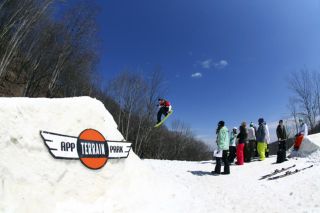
x: 31, y: 180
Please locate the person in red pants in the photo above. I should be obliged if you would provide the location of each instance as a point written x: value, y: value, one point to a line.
x: 303, y: 131
x: 242, y: 138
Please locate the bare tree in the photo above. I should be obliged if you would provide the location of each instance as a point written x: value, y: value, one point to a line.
x: 21, y: 16
x: 302, y: 85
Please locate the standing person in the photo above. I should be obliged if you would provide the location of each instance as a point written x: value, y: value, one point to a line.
x: 251, y: 144
x: 267, y: 140
x: 223, y: 144
x: 261, y: 139
x: 303, y: 131
x: 164, y: 108
x: 232, y: 145
x: 282, y: 137
x: 242, y: 138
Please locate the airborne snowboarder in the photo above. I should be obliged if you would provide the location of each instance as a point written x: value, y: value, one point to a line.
x: 165, y: 109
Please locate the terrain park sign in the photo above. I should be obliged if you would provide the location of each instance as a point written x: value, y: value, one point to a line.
x: 90, y: 147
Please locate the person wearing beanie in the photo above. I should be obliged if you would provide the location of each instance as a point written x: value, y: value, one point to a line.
x: 242, y: 138
x: 261, y: 139
x: 232, y: 145
x: 250, y: 146
x: 282, y: 137
x: 223, y: 145
x: 164, y: 109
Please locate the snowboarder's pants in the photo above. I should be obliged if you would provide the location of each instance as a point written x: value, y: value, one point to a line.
x: 282, y: 145
x: 164, y: 111
x: 226, y: 170
x: 262, y: 150
x: 249, y: 149
x: 240, y: 157
x: 232, y: 154
x: 298, y: 142
x: 267, y: 150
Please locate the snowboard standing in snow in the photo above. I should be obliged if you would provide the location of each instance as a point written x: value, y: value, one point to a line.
x: 277, y: 171
x: 289, y: 173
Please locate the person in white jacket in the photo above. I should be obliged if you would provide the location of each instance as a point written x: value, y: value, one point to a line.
x: 267, y: 138
x: 302, y: 132
x: 251, y: 145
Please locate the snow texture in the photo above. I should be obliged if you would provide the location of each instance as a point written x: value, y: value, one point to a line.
x: 31, y: 180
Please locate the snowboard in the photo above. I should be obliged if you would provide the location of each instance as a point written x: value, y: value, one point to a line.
x: 164, y: 119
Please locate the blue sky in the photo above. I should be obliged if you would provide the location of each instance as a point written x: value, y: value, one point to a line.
x: 223, y: 60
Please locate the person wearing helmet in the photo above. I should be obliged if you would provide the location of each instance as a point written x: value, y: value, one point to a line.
x: 232, y: 145
x: 223, y: 145
x: 303, y: 131
x: 164, y: 108
x: 261, y: 139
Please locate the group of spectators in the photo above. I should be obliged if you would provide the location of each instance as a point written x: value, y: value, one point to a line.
x: 250, y: 142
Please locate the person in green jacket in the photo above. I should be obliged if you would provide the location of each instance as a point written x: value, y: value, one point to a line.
x: 223, y: 146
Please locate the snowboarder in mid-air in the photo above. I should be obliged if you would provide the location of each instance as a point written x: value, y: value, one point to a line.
x: 165, y: 109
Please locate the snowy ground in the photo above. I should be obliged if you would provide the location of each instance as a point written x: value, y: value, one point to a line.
x: 242, y: 191
x: 31, y: 180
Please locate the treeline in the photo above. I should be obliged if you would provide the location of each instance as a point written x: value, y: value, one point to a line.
x: 305, y: 102
x: 49, y: 49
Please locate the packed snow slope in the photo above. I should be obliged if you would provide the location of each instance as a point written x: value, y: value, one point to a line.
x: 31, y: 180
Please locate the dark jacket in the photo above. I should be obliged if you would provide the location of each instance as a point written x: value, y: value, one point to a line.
x: 243, y: 135
x: 281, y: 132
x: 261, y: 133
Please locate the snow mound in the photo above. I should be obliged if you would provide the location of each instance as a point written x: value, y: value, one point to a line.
x: 309, y: 147
x: 31, y: 180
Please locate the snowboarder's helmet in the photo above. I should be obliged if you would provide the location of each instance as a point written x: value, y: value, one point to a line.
x: 251, y: 124
x: 281, y: 121
x: 261, y: 120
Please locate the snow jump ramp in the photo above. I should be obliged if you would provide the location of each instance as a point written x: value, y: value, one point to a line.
x: 32, y: 180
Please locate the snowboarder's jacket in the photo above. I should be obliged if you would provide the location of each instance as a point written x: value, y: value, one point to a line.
x: 165, y: 103
x: 243, y: 135
x: 223, y: 139
x: 267, y: 134
x: 303, y: 129
x: 261, y: 133
x: 251, y: 134
x: 281, y: 132
x: 233, y: 138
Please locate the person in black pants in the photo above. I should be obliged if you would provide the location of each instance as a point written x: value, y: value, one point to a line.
x: 282, y: 135
x: 223, y: 146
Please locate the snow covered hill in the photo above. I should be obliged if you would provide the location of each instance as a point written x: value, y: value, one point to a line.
x: 31, y: 180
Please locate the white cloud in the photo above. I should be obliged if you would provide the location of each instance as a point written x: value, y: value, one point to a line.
x: 206, y: 64
x: 209, y: 63
x: 196, y: 75
x: 221, y: 64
